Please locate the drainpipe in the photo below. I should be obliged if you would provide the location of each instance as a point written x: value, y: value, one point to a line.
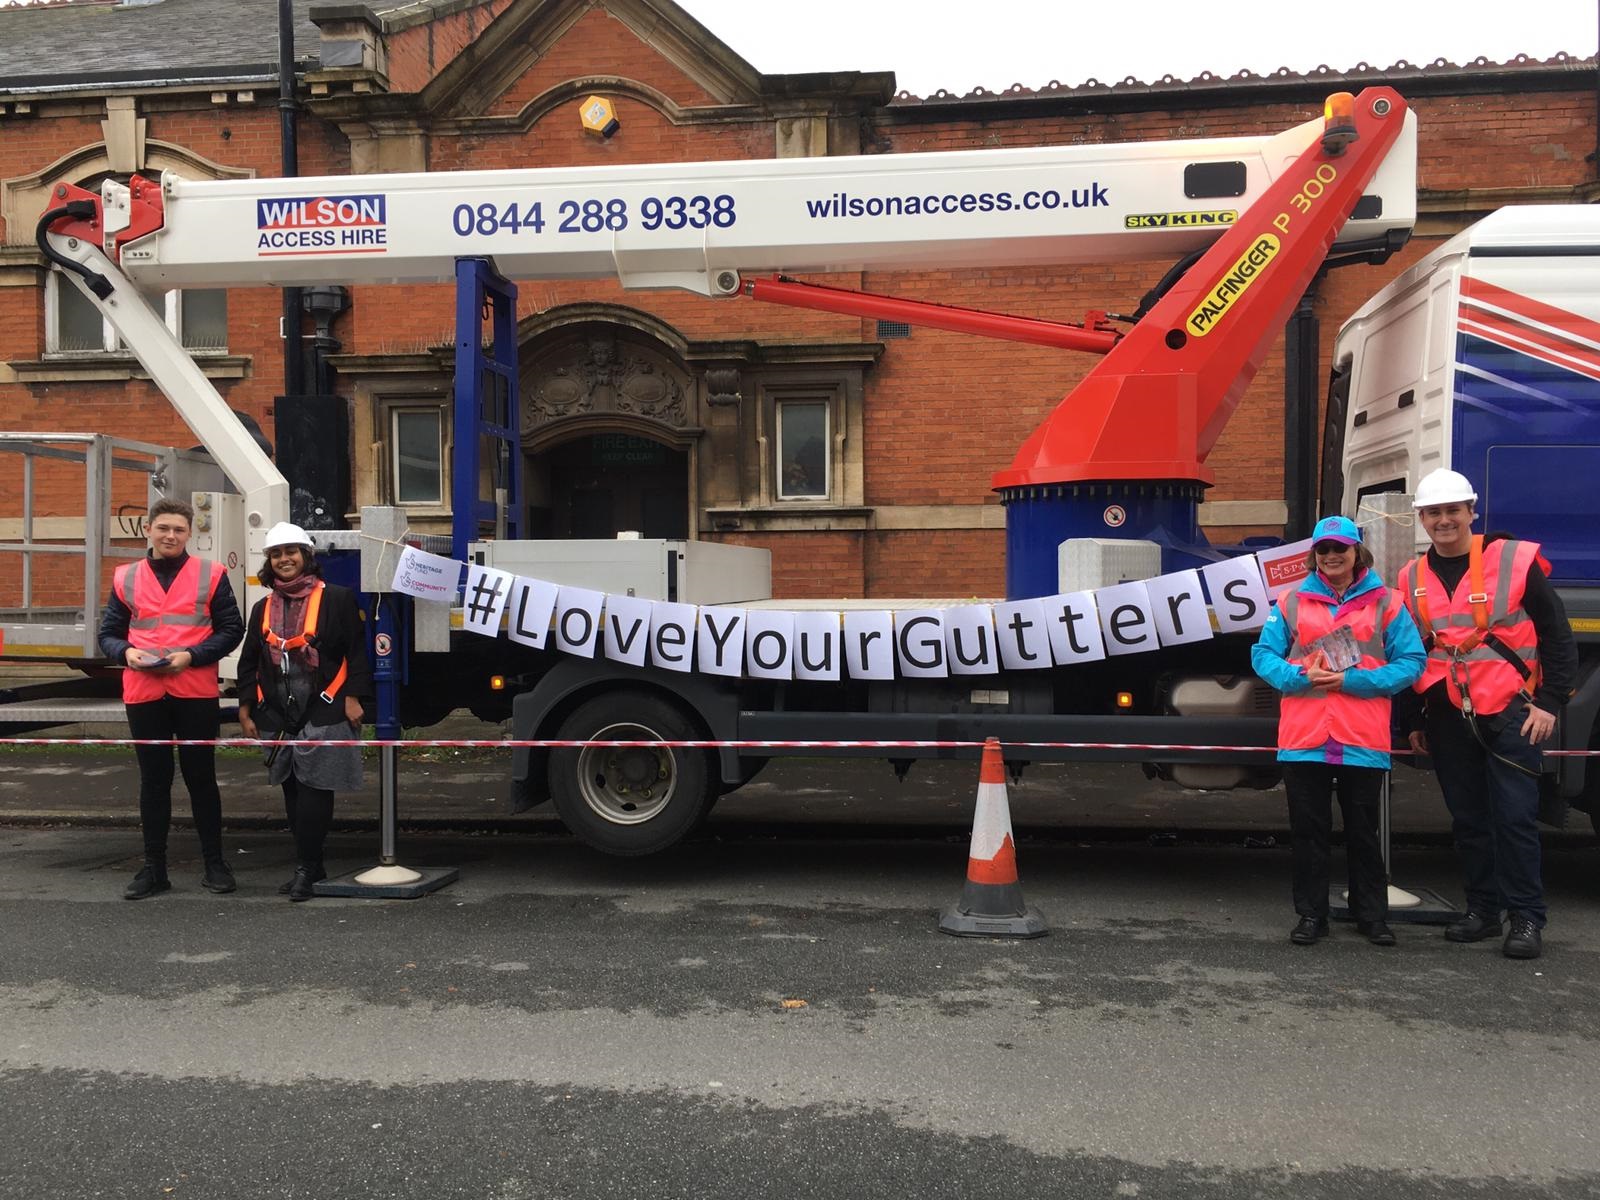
x: 294, y: 383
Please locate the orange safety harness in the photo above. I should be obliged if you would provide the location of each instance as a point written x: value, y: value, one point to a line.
x: 1481, y: 635
x: 305, y: 637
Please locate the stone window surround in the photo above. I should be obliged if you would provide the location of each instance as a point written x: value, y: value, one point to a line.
x: 376, y: 399
x: 23, y: 198
x: 392, y: 410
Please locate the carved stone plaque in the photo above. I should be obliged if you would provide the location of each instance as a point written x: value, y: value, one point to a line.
x: 599, y: 373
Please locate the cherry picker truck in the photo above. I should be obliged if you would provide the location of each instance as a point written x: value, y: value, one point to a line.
x: 1250, y: 222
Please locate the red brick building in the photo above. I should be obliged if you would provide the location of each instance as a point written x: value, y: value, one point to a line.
x: 665, y: 412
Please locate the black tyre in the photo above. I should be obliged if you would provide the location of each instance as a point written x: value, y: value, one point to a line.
x: 632, y: 801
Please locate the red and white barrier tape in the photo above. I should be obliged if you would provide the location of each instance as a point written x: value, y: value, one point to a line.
x: 687, y: 744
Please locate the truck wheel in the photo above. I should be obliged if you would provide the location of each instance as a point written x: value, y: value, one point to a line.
x: 632, y: 801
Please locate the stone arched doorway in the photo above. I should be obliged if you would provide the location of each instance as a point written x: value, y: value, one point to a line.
x: 594, y: 485
x: 608, y: 433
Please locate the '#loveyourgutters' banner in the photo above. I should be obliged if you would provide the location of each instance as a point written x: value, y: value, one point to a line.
x: 1232, y: 596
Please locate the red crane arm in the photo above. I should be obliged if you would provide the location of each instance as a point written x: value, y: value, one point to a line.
x: 1091, y: 336
x: 1156, y: 404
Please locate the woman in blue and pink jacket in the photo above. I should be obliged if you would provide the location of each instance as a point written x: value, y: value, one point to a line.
x: 1333, y: 726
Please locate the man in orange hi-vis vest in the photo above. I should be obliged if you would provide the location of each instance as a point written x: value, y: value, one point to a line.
x: 1501, y: 663
x: 169, y: 620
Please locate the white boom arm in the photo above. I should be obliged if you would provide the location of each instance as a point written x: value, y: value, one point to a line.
x: 697, y: 225
x: 173, y: 369
x: 694, y: 226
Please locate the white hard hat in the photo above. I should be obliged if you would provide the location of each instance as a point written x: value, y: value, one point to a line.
x: 1444, y: 487
x: 286, y: 533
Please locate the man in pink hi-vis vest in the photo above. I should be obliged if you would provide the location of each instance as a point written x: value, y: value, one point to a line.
x: 169, y: 620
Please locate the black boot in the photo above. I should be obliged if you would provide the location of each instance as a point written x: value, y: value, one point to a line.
x: 1524, y: 940
x: 287, y: 885
x: 1376, y: 932
x: 1474, y: 927
x: 306, y: 877
x: 1309, y: 930
x: 152, y: 878
x: 219, y: 876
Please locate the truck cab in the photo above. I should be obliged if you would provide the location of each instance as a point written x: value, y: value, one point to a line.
x: 1484, y: 358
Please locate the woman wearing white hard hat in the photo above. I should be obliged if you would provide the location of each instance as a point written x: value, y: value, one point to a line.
x: 1337, y: 648
x: 303, y: 673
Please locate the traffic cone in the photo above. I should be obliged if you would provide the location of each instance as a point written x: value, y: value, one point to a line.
x: 991, y: 902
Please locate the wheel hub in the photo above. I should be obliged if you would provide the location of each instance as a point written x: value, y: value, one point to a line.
x: 626, y: 785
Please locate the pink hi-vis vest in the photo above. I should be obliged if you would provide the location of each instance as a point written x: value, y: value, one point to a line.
x: 1488, y: 599
x: 163, y: 621
x: 1309, y: 720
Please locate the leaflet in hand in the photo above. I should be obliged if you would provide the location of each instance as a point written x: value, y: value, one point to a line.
x: 1338, y: 649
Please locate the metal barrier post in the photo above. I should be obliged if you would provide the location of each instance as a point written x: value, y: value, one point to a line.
x: 1421, y: 906
x: 1383, y: 828
x: 388, y: 805
x: 97, y: 473
x: 381, y: 530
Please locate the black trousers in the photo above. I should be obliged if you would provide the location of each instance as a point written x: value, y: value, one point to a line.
x: 171, y: 717
x: 1494, y: 809
x: 310, y: 813
x: 1310, y: 787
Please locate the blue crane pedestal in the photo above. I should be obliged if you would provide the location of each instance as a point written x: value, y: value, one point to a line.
x: 1039, y: 517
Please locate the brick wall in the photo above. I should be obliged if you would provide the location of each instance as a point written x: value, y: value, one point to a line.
x: 811, y: 566
x: 943, y: 411
x: 418, y: 54
x: 948, y: 564
x: 605, y: 46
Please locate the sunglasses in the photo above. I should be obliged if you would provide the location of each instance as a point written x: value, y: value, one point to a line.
x: 1331, y: 548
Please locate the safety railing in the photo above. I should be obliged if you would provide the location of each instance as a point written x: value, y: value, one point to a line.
x: 58, y: 626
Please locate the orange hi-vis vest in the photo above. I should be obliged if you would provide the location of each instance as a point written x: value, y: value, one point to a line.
x: 306, y: 635
x: 1310, y: 719
x: 1461, y: 629
x: 163, y: 621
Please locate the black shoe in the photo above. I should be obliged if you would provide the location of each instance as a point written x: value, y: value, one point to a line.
x: 285, y: 887
x: 317, y: 876
x: 1309, y: 930
x: 1376, y: 932
x: 1474, y: 927
x: 150, y: 880
x: 218, y: 877
x: 303, y: 885
x: 1523, y: 941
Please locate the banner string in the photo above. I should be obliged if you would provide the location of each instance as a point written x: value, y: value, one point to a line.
x: 681, y: 744
x: 1405, y: 519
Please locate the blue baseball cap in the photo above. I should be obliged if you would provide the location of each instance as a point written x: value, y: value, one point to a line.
x: 1337, y: 529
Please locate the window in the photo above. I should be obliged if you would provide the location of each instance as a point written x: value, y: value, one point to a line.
x: 200, y: 317
x: 416, y: 440
x: 802, y: 449
x: 73, y: 325
x: 79, y: 327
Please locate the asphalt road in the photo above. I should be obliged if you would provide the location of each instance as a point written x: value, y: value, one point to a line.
x: 449, y: 789
x: 771, y: 1011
